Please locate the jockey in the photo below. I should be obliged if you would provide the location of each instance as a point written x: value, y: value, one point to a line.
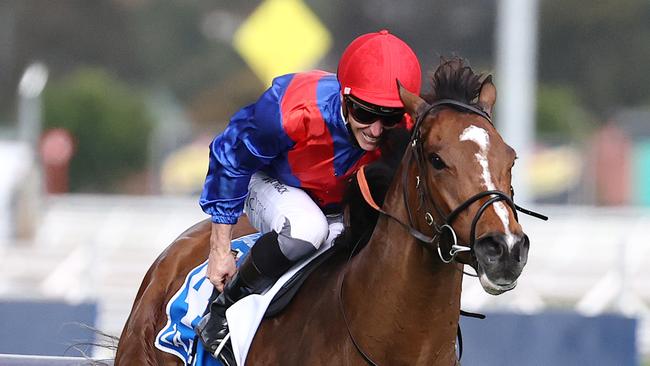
x: 285, y: 159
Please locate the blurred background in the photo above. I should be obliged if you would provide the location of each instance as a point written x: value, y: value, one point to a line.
x: 107, y: 109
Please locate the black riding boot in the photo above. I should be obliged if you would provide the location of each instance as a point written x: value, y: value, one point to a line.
x: 213, y: 328
x: 255, y: 274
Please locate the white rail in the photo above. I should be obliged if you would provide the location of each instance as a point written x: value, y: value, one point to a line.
x: 584, y: 258
x: 25, y: 360
x: 588, y: 259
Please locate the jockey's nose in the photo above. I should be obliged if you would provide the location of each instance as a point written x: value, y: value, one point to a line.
x: 376, y: 128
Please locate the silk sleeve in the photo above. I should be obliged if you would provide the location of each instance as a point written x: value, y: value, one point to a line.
x: 253, y: 138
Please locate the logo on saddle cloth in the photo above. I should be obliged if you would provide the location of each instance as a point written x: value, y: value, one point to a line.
x: 188, y: 305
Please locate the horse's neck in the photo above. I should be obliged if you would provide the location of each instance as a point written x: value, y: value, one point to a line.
x: 400, y: 295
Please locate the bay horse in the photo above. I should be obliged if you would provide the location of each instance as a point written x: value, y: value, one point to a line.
x: 397, y: 301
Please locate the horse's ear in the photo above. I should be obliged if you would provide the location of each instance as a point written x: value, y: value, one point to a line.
x: 488, y: 95
x: 412, y: 102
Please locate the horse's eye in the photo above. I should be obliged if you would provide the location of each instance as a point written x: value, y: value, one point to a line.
x: 437, y: 162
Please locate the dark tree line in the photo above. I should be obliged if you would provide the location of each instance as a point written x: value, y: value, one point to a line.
x: 592, y: 56
x: 598, y: 50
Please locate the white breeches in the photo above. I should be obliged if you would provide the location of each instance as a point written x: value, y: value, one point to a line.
x: 301, y: 225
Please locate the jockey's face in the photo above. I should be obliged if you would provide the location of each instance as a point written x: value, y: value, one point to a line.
x: 368, y: 136
x: 368, y: 122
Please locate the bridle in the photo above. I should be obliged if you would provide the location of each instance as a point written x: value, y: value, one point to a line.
x: 445, y: 228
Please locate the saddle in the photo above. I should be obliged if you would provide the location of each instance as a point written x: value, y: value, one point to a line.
x: 291, y: 287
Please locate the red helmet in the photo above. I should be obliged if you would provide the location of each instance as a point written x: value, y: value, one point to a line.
x: 372, y: 63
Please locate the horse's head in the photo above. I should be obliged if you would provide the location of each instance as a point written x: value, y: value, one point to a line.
x: 458, y: 177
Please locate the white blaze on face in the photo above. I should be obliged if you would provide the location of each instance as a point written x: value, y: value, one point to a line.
x: 481, y: 138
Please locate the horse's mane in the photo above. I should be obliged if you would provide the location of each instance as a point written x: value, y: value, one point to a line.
x: 454, y: 79
x: 379, y: 174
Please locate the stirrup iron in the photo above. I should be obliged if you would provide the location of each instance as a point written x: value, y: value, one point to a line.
x: 221, y: 345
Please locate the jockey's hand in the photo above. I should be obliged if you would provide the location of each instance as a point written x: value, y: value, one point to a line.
x: 221, y: 262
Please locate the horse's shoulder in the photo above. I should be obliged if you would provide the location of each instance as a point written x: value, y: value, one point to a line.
x: 192, y: 247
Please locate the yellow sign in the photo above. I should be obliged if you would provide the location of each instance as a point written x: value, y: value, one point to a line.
x: 554, y: 170
x: 183, y: 171
x: 281, y: 36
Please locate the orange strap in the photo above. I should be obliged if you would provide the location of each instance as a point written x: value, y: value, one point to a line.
x: 365, y: 190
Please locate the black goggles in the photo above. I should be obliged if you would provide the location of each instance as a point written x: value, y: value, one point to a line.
x: 368, y: 114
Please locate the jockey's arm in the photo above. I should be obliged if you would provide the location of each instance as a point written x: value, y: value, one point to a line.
x: 221, y: 262
x: 254, y: 137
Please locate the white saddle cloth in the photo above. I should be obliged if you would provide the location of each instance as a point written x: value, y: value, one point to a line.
x: 245, y: 315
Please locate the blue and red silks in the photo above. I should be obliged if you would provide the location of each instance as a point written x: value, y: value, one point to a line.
x: 295, y: 133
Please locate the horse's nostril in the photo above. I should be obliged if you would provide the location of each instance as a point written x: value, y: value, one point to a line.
x: 495, y: 249
x: 522, y: 249
x: 491, y: 247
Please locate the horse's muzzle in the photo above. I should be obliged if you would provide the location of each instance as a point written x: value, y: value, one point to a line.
x: 500, y: 262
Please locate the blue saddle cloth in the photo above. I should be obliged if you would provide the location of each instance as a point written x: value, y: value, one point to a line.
x: 187, y: 306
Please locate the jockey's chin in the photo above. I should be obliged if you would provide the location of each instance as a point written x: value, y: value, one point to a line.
x: 367, y: 136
